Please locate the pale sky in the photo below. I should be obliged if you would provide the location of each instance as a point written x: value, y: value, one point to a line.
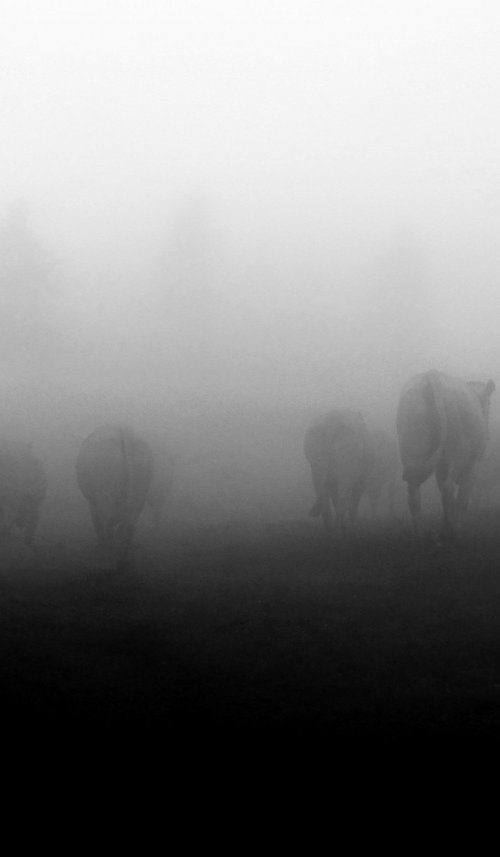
x: 315, y: 129
x: 376, y: 109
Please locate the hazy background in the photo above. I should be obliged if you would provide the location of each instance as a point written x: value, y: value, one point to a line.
x: 210, y: 210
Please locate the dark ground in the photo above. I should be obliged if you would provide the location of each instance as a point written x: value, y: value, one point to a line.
x: 240, y: 629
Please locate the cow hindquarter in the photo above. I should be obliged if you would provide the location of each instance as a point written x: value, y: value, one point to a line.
x: 442, y: 428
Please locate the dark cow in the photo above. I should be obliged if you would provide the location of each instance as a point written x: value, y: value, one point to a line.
x: 23, y: 487
x: 339, y: 450
x: 386, y: 466
x: 114, y: 470
x: 442, y: 425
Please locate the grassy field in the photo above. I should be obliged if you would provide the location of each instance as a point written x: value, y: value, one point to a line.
x: 258, y: 627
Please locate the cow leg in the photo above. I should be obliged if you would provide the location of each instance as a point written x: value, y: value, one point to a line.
x: 356, y: 494
x: 321, y: 506
x: 339, y: 505
x: 326, y: 514
x: 447, y: 491
x: 320, y: 489
x: 342, y: 522
x: 103, y: 532
x: 415, y: 506
x: 448, y: 528
x: 463, y: 497
x: 342, y: 511
x: 339, y: 502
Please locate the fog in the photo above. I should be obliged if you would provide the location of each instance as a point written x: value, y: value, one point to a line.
x: 219, y: 221
x: 216, y: 210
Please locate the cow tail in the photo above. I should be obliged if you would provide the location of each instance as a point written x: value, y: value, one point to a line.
x: 418, y: 472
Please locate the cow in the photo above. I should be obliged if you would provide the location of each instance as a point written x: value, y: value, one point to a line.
x: 442, y: 426
x: 23, y: 488
x: 114, y: 470
x: 386, y: 464
x: 339, y: 450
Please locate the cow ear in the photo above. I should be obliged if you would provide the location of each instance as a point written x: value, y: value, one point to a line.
x: 490, y: 386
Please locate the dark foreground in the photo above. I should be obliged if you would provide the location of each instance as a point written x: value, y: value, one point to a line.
x: 243, y: 630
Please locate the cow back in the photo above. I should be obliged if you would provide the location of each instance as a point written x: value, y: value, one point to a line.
x: 340, y: 444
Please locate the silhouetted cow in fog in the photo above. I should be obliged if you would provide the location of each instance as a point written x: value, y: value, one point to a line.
x: 339, y: 450
x: 385, y: 471
x: 442, y: 425
x: 23, y: 486
x: 114, y: 470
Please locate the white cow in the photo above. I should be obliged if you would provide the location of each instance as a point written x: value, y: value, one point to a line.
x: 23, y: 486
x: 339, y: 450
x: 442, y: 425
x: 114, y: 470
x: 386, y: 464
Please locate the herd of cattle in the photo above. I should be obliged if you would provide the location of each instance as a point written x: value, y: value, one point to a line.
x: 442, y: 426
x: 117, y: 472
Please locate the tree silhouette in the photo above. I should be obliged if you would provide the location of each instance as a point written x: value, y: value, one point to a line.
x: 401, y: 312
x: 186, y: 264
x: 27, y: 286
